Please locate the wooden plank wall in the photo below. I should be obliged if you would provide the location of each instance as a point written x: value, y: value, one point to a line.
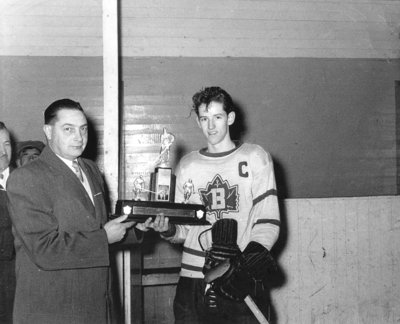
x: 340, y: 261
x: 29, y: 85
x: 205, y: 28
x: 334, y: 135
x: 242, y: 28
x: 328, y: 123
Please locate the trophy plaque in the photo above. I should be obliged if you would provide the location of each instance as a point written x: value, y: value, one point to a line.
x: 140, y: 211
x: 162, y: 180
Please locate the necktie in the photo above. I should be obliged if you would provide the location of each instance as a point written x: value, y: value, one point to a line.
x: 77, y: 170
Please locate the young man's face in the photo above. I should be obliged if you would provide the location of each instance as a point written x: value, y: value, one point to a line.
x: 68, y: 136
x: 214, y: 122
x: 5, y: 149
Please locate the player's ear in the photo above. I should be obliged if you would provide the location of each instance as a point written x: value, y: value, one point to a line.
x: 231, y: 118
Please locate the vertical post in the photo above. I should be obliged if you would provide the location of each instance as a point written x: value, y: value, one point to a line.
x: 111, y: 97
x: 111, y: 134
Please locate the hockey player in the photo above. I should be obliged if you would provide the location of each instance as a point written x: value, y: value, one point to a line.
x: 236, y: 183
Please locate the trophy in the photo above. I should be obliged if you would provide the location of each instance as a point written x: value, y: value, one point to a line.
x: 162, y: 180
x: 162, y: 193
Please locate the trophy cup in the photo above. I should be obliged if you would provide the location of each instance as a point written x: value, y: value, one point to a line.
x: 162, y: 194
x: 162, y: 181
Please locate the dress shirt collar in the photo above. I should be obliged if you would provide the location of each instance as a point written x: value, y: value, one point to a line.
x: 5, y: 173
x: 67, y: 162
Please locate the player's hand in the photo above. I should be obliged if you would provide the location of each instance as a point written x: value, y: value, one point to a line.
x: 161, y: 223
x: 144, y: 227
x: 116, y: 228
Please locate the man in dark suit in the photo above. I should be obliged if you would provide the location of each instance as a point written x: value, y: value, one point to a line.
x: 7, y: 254
x: 57, y: 207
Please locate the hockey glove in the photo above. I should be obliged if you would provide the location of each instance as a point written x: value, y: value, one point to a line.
x: 224, y: 246
x: 238, y: 281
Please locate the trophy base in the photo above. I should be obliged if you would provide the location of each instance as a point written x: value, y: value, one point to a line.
x: 140, y: 211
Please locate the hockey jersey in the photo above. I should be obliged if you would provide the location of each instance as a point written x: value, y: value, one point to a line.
x: 238, y: 184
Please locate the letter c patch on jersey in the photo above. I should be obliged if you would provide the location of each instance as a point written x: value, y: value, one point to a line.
x: 243, y: 169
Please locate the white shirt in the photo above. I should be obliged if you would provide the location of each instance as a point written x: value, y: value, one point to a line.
x: 3, y: 181
x: 85, y: 182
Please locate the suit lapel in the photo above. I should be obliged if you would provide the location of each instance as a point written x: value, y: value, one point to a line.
x: 68, y: 178
x: 95, y: 186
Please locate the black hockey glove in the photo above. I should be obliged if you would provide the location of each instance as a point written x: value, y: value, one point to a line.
x: 224, y: 246
x: 255, y: 263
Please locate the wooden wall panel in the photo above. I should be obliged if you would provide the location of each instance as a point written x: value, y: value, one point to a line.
x: 329, y: 124
x: 340, y: 261
x: 51, y: 28
x: 29, y: 85
x: 259, y: 29
x: 198, y: 28
x: 158, y: 303
x: 334, y: 135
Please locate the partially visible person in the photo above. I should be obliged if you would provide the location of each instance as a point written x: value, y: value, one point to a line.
x: 28, y: 151
x: 62, y: 233
x: 236, y: 183
x: 7, y: 253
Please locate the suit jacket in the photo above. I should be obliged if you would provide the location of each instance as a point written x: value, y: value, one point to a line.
x: 6, y: 237
x: 62, y: 256
x: 7, y: 262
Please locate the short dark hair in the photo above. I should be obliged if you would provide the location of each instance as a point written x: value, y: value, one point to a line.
x: 51, y: 111
x: 3, y: 126
x: 210, y: 94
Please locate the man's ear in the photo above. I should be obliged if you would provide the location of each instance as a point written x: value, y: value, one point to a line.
x: 231, y: 118
x: 47, y: 131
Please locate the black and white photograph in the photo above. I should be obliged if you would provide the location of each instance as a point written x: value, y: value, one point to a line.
x: 278, y: 121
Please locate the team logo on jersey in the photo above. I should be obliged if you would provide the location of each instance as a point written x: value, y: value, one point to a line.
x: 219, y: 197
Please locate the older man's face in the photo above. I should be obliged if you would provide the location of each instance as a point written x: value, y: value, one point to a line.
x: 5, y: 149
x: 27, y: 155
x: 69, y: 134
